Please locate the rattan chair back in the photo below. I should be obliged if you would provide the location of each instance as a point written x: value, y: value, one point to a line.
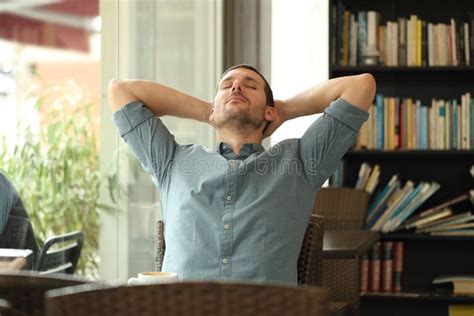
x: 310, y: 257
x: 342, y: 208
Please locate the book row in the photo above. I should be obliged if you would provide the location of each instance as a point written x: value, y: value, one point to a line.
x: 397, y: 202
x: 453, y: 217
x: 404, y: 123
x: 381, y: 268
x: 395, y: 206
x: 366, y: 38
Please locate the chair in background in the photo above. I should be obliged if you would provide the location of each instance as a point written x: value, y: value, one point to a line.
x: 22, y: 292
x: 60, y: 254
x: 187, y: 298
x: 343, y: 209
x: 309, y: 260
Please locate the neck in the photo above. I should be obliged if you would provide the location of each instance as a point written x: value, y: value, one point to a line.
x: 237, y: 138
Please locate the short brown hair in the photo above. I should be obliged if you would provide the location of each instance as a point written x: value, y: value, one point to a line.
x: 268, y: 90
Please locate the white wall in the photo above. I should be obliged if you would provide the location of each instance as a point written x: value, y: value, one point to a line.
x: 299, y: 54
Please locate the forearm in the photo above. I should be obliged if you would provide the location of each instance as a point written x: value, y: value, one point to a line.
x: 358, y: 90
x: 160, y: 99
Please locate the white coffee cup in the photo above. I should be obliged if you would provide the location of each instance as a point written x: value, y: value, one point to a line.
x: 154, y: 277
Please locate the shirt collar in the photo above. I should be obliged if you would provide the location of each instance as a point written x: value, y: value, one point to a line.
x: 245, y: 150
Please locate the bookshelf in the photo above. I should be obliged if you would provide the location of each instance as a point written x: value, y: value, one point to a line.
x: 425, y: 257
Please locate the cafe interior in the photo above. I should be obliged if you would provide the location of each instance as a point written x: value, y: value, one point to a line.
x: 83, y: 229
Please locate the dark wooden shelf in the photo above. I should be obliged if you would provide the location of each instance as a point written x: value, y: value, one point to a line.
x: 425, y: 257
x: 413, y: 236
x: 408, y: 70
x: 427, y: 296
x: 421, y: 152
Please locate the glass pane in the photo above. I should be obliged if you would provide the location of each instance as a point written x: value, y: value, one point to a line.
x: 49, y: 126
x: 172, y: 42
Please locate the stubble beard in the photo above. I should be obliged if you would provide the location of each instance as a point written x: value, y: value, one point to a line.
x: 241, y: 122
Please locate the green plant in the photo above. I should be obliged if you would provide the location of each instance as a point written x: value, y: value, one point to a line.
x: 56, y: 170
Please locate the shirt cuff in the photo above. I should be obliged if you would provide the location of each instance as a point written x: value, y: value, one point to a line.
x: 130, y: 116
x: 347, y: 113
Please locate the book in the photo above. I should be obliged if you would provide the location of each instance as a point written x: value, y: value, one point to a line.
x: 362, y: 19
x: 345, y: 37
x: 461, y: 284
x: 458, y: 233
x: 454, y: 227
x: 387, y: 267
x: 403, y: 206
x: 398, y: 253
x: 373, y: 179
x: 460, y: 310
x: 450, y: 220
x: 353, y: 41
x: 397, y: 199
x: 376, y: 209
x: 434, y: 219
x: 380, y: 126
x: 334, y: 35
x: 463, y: 197
x: 375, y: 267
x: 363, y: 176
x: 364, y: 272
x: 427, y: 190
x: 402, y: 44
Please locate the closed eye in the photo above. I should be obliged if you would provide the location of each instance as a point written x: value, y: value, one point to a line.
x: 226, y: 85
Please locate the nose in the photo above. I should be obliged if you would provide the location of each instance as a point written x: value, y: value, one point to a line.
x: 236, y: 86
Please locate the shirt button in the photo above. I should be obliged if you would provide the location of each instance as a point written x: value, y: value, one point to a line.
x: 228, y: 198
x: 226, y: 226
x: 225, y: 261
x: 232, y: 163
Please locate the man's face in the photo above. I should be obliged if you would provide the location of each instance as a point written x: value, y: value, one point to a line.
x: 240, y: 100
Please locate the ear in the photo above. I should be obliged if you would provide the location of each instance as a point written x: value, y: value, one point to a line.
x: 211, y: 115
x: 270, y: 113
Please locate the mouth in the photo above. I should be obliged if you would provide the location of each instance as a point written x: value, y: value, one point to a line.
x: 236, y: 98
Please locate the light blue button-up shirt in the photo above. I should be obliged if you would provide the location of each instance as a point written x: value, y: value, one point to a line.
x: 238, y: 217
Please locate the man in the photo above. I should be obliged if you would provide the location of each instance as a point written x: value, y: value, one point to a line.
x: 239, y: 212
x: 8, y: 199
x: 15, y: 226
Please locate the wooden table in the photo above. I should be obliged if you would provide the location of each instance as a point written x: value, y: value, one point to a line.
x: 348, y: 244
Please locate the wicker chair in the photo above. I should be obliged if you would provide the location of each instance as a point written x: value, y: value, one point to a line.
x: 23, y: 292
x: 187, y: 298
x: 343, y: 209
x: 309, y: 260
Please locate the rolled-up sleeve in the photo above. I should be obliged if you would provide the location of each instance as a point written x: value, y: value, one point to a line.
x: 148, y: 138
x: 328, y: 139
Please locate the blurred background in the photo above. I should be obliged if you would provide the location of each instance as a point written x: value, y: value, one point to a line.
x: 58, y: 145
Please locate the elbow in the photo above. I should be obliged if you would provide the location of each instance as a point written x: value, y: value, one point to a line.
x: 118, y: 94
x: 112, y: 90
x: 114, y: 87
x: 368, y: 85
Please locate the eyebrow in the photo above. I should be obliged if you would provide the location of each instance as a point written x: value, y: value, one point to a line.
x: 246, y: 78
